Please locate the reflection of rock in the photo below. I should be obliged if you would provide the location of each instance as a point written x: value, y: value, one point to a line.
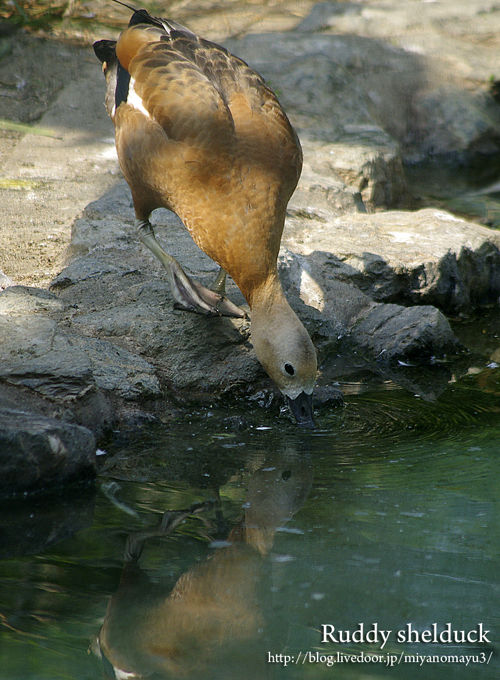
x: 31, y: 526
x: 215, y: 611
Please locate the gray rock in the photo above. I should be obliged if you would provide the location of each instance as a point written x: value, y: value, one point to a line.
x: 83, y: 269
x: 454, y: 122
x: 39, y: 454
x: 385, y: 333
x: 42, y: 361
x: 393, y: 333
x: 23, y: 300
x: 190, y: 352
x: 35, y: 353
x: 324, y: 14
x: 424, y: 257
x: 119, y: 372
x: 126, y: 299
x: 80, y: 376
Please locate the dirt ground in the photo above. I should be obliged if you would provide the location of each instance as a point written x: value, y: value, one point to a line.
x: 39, y: 198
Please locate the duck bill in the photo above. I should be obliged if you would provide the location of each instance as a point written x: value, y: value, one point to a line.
x: 302, y: 409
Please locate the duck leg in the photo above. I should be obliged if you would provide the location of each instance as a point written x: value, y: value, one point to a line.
x: 219, y: 285
x: 189, y: 294
x: 169, y: 521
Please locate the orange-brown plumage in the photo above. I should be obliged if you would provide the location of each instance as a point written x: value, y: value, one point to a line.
x: 200, y: 133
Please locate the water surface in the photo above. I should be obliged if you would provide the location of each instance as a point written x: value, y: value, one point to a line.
x: 386, y: 516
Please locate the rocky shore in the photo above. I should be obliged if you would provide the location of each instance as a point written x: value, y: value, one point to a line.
x: 372, y: 272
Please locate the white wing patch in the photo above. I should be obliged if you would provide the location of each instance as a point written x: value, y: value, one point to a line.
x: 135, y: 100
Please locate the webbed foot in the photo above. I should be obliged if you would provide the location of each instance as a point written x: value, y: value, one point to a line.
x: 188, y: 294
x: 194, y: 297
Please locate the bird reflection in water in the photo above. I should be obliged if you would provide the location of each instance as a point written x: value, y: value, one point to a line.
x: 214, y: 617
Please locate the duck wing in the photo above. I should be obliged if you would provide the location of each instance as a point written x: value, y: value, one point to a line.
x: 226, y: 144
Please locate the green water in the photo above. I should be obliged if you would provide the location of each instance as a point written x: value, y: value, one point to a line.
x: 388, y: 514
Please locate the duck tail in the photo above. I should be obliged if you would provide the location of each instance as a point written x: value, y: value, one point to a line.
x: 141, y: 16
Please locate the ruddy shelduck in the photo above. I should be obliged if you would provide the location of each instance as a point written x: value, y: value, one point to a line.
x: 200, y: 133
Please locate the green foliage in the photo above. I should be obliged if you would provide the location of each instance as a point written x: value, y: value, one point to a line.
x: 33, y: 14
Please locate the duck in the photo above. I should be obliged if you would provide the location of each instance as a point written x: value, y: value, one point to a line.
x: 200, y: 133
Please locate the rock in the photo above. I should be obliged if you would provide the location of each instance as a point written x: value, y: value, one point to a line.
x: 38, y: 454
x: 79, y: 376
x: 35, y: 353
x: 423, y: 78
x: 455, y: 122
x: 125, y: 300
x: 119, y: 372
x: 83, y: 269
x: 36, y: 356
x: 424, y: 257
x: 120, y: 294
x: 393, y: 333
x: 22, y: 300
x: 384, y: 333
x: 325, y: 14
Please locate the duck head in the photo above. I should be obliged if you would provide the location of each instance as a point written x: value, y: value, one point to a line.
x: 286, y: 352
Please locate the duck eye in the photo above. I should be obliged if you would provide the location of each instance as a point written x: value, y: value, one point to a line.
x: 289, y: 369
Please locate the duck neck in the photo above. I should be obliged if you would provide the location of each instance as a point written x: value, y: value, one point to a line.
x: 271, y: 313
x: 268, y: 296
